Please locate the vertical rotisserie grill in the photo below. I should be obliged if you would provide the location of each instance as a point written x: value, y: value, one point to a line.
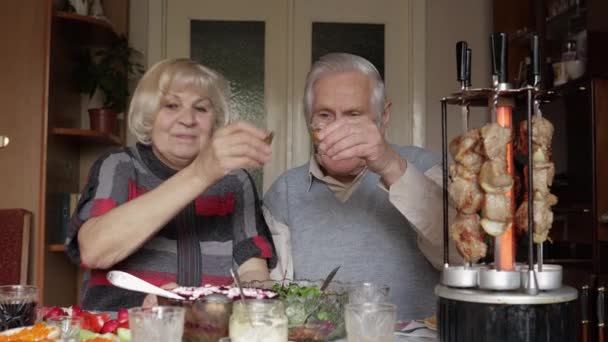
x: 503, y: 301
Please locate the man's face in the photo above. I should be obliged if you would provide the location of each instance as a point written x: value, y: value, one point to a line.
x: 341, y: 95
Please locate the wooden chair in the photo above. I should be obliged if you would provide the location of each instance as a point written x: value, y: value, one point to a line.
x: 15, y: 230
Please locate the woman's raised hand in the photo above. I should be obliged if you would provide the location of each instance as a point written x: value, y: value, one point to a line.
x: 235, y: 146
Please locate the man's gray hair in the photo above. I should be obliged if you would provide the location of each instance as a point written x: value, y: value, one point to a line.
x: 339, y: 63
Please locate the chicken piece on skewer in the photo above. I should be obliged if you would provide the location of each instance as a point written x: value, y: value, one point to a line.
x: 468, y: 237
x: 495, y: 140
x: 472, y: 161
x: 465, y: 150
x: 541, y: 139
x: 494, y: 228
x: 543, y: 216
x: 543, y: 176
x: 460, y: 171
x: 497, y: 207
x: 466, y: 194
x: 494, y: 178
x: 464, y: 143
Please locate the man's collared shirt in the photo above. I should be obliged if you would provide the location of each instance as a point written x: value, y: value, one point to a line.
x: 342, y: 191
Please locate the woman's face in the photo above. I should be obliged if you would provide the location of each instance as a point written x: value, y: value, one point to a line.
x: 184, y: 116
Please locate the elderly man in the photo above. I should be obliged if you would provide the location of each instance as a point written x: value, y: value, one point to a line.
x: 371, y: 207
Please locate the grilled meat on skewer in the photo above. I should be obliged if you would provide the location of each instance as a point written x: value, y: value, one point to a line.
x: 497, y: 207
x: 494, y: 178
x: 465, y: 149
x: 495, y: 140
x: 543, y: 172
x: 542, y: 133
x: 468, y: 237
x: 466, y: 194
x: 543, y: 216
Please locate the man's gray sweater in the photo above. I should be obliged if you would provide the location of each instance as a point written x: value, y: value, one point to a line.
x: 366, y: 235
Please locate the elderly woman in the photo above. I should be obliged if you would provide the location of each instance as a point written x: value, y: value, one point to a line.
x: 178, y: 206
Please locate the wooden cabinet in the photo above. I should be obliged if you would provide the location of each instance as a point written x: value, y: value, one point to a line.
x: 580, y: 116
x: 51, y: 145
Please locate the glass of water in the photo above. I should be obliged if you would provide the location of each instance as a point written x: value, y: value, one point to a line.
x: 157, y: 324
x: 370, y: 322
x: 69, y: 327
x: 368, y: 292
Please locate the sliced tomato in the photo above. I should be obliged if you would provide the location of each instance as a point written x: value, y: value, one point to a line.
x: 123, y: 315
x: 124, y: 324
x: 84, y: 323
x: 110, y: 326
x: 96, y: 321
x: 76, y: 310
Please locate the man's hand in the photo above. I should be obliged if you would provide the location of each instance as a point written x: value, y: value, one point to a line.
x: 360, y: 137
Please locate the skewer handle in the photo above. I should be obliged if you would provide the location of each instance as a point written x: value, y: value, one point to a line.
x: 498, y: 49
x: 468, y: 71
x: 461, y: 62
x: 536, y: 60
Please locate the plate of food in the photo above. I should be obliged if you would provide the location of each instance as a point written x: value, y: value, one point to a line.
x: 36, y: 333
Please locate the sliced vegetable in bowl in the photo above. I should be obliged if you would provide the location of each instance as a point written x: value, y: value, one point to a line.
x: 304, y: 297
x: 37, y: 332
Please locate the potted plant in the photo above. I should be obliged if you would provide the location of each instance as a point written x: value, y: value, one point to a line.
x: 108, y: 70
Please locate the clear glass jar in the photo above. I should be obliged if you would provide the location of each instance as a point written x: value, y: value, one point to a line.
x: 259, y: 320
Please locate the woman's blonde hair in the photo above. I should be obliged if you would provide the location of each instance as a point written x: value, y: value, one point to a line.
x: 174, y: 74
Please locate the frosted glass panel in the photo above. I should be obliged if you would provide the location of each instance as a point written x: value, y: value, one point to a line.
x: 236, y: 49
x: 365, y: 40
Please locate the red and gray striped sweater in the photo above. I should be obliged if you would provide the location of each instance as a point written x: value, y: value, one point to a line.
x: 228, y: 225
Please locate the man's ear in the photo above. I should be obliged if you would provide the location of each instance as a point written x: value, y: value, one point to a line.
x: 386, y: 115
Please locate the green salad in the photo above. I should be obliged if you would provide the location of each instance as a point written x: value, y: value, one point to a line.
x: 327, y: 310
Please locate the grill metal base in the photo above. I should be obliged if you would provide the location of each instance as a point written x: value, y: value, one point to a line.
x: 477, y: 316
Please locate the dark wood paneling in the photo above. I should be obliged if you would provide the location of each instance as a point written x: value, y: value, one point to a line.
x: 600, y: 88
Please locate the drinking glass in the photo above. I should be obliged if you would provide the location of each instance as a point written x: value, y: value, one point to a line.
x: 69, y: 327
x: 368, y: 292
x: 17, y: 306
x: 258, y: 320
x: 315, y: 128
x: 157, y: 324
x: 370, y: 322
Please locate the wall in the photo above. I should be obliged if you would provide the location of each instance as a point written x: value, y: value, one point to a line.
x: 447, y: 22
x: 138, y: 38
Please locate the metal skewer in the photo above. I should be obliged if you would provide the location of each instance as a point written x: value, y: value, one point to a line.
x: 532, y: 285
x: 463, y: 61
x: 444, y: 159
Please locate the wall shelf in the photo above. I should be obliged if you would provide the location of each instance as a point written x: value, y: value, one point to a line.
x: 88, y: 136
x: 87, y: 29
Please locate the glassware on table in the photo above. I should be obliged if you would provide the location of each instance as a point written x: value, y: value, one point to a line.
x: 206, y: 318
x: 368, y: 292
x: 258, y: 320
x: 17, y: 306
x: 157, y: 324
x: 370, y: 322
x: 69, y: 327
